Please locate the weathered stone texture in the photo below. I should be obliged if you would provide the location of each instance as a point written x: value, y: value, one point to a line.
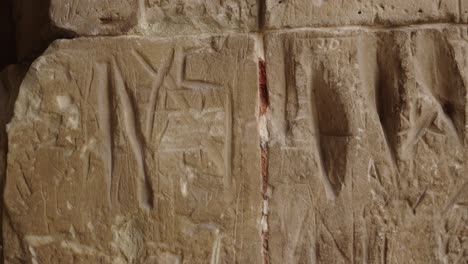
x: 367, y: 156
x: 236, y: 131
x: 322, y: 13
x: 39, y: 22
x: 136, y: 150
x: 159, y: 18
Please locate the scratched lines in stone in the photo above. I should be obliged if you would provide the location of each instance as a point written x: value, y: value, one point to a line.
x: 100, y: 79
x: 418, y: 126
x: 428, y: 117
x: 108, y: 80
x: 137, y: 144
x: 450, y: 226
x: 110, y: 84
x: 205, y: 102
x: 439, y: 106
x: 71, y: 8
x: 326, y: 139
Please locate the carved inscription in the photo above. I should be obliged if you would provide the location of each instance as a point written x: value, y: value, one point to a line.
x: 138, y: 152
x: 366, y: 145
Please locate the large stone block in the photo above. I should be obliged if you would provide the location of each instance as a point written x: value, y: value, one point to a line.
x: 39, y: 22
x: 154, y: 17
x: 322, y: 13
x: 136, y: 150
x: 367, y: 152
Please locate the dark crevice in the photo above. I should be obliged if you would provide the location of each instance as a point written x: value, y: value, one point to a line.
x: 9, y: 88
x: 261, y: 14
x: 264, y: 99
x: 106, y: 20
x: 7, y: 97
x: 263, y: 108
x: 7, y: 31
x: 34, y: 31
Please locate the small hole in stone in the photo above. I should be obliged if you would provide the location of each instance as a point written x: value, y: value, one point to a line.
x: 420, y: 10
x: 359, y: 12
x: 106, y: 20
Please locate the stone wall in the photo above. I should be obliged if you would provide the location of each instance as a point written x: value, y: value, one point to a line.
x: 235, y: 131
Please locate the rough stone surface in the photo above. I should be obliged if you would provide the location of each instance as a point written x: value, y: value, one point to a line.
x: 367, y: 151
x: 136, y: 150
x: 39, y: 22
x: 154, y: 17
x: 235, y: 131
x: 304, y: 13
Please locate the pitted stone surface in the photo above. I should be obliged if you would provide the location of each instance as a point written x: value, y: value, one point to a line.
x: 324, y: 13
x: 368, y: 145
x: 236, y: 131
x: 136, y: 150
x: 159, y: 18
x: 39, y: 22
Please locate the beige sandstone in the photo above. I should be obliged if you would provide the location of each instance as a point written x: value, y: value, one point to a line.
x: 153, y: 17
x: 136, y: 150
x: 367, y: 144
x: 323, y: 13
x: 237, y: 131
x: 39, y: 22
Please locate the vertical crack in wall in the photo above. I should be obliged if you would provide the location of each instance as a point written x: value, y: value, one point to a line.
x: 265, y: 231
x: 263, y: 131
x: 263, y: 91
x: 263, y: 88
x: 261, y: 14
x: 460, y: 11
